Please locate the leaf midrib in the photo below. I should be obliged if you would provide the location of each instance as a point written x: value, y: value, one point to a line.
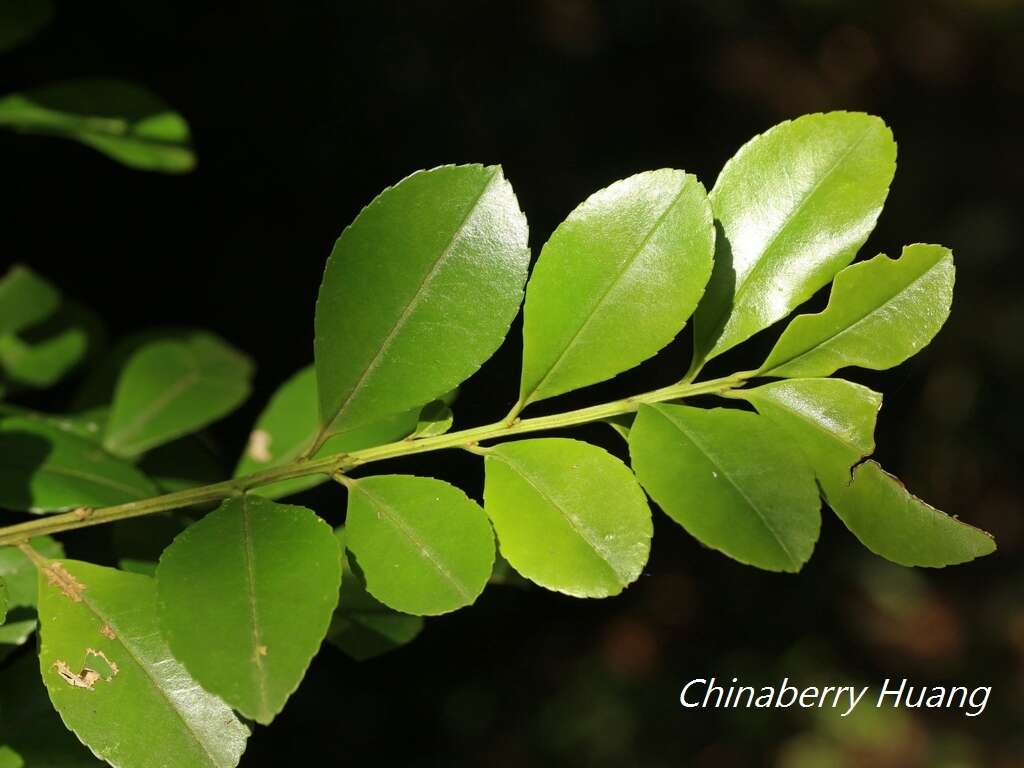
x: 259, y: 672
x: 411, y: 305
x: 728, y: 476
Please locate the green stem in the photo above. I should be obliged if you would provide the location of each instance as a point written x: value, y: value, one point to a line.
x: 342, y: 462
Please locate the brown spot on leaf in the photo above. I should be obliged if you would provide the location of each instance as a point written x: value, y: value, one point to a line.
x: 107, y: 631
x: 87, y: 678
x: 261, y: 650
x: 59, y: 577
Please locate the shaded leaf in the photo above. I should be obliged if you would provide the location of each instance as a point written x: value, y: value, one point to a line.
x: 288, y: 426
x: 793, y: 207
x: 362, y: 627
x: 260, y: 577
x: 25, y: 299
x: 113, y: 679
x: 569, y: 515
x: 19, y: 573
x: 46, y: 469
x: 880, y: 313
x: 423, y: 546
x: 187, y: 462
x: 170, y: 388
x: 3, y: 601
x: 436, y: 418
x: 832, y: 421
x: 418, y: 292
x: 123, y: 121
x: 20, y: 20
x: 893, y: 523
x: 637, y: 255
x: 725, y: 476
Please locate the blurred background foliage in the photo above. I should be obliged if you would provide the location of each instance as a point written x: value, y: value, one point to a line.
x: 300, y: 113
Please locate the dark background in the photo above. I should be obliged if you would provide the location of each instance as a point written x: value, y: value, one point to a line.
x: 302, y: 112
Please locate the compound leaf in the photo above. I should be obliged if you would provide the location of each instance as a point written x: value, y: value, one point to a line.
x: 793, y: 206
x: 832, y: 421
x: 288, y: 426
x: 422, y: 545
x: 44, y: 468
x: 113, y: 679
x: 727, y: 478
x: 569, y: 515
x: 418, y: 292
x: 123, y: 121
x: 172, y: 387
x: 880, y: 313
x: 616, y: 282
x: 245, y: 598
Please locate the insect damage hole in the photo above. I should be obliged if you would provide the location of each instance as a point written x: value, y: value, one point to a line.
x: 88, y: 677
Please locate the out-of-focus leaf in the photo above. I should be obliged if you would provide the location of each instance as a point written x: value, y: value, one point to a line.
x: 123, y: 121
x: 569, y: 515
x: 418, y: 292
x: 138, y: 542
x: 113, y: 679
x: 880, y: 313
x: 3, y: 601
x: 25, y: 299
x: 263, y: 579
x: 44, y: 354
x: 832, y: 421
x: 46, y: 469
x: 727, y: 478
x: 19, y: 573
x: 893, y: 523
x: 184, y: 463
x: 288, y: 426
x: 616, y: 282
x: 170, y: 388
x: 423, y: 546
x: 793, y: 206
x: 20, y: 20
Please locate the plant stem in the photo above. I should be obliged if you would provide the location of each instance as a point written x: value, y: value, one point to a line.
x: 342, y: 462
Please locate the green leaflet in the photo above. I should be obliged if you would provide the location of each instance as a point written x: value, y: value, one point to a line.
x: 880, y: 313
x: 44, y: 354
x: 418, y: 292
x: 44, y: 469
x: 289, y: 425
x: 436, y: 418
x: 245, y: 598
x: 113, y: 679
x: 29, y: 728
x: 793, y: 206
x: 25, y: 299
x: 725, y: 476
x: 636, y: 255
x: 888, y: 520
x: 123, y: 121
x: 569, y: 515
x: 19, y: 573
x: 422, y: 545
x: 362, y: 627
x: 172, y: 387
x: 832, y: 421
x: 3, y: 601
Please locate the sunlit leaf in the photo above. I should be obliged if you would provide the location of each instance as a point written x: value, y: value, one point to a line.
x: 113, y: 679
x: 569, y: 515
x: 793, y: 206
x: 422, y: 545
x: 616, y: 282
x: 727, y: 478
x: 418, y: 292
x: 260, y: 577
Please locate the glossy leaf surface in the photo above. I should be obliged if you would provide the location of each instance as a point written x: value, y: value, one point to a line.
x: 44, y: 468
x: 897, y: 525
x: 287, y: 427
x: 260, y: 577
x: 172, y: 387
x: 423, y: 546
x: 725, y: 476
x: 113, y: 679
x: 793, y: 206
x: 616, y: 282
x: 880, y: 313
x: 418, y: 292
x: 123, y: 121
x: 832, y: 421
x: 569, y: 515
